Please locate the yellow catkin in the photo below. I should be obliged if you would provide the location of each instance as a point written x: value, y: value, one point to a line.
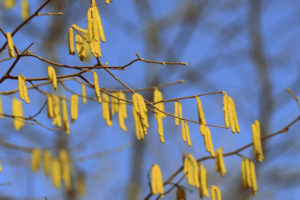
x: 93, y: 30
x: 215, y: 193
x: 9, y: 4
x: 56, y: 172
x: 176, y: 112
x: 244, y: 173
x: 203, y: 190
x: 23, y: 88
x: 80, y: 185
x: 248, y: 172
x: 159, y: 115
x: 50, y: 110
x: 65, y: 116
x: 77, y: 28
x: 0, y: 167
x: 219, y: 162
x: 99, y: 24
x: 1, y: 108
x: 36, y: 159
x: 65, y: 168
x: 122, y: 111
x: 47, y: 161
x: 253, y: 178
x: 83, y: 93
x: 231, y: 117
x: 180, y: 194
x: 236, y: 123
x: 187, y: 133
x: 256, y: 136
x: 56, y: 108
x: 71, y: 41
x: 208, y: 142
x: 97, y: 88
x: 225, y: 110
x: 74, y: 107
x: 114, y: 103
x: 24, y: 9
x: 140, y: 117
x: 105, y: 109
x: 157, y: 181
x: 191, y: 170
x: 79, y: 47
x: 201, y: 117
x: 10, y: 45
x: 17, y: 111
x: 52, y: 76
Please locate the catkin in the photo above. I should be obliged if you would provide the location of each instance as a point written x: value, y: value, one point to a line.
x: 50, y: 110
x: 243, y: 173
x: 83, y: 93
x: 159, y: 115
x: 10, y: 45
x: 17, y: 111
x: 65, y: 116
x: 122, y: 111
x: 190, y: 169
x: 215, y: 192
x: 0, y: 167
x: 24, y: 9
x: 208, y: 142
x: 23, y: 89
x: 97, y: 88
x: 1, y: 108
x: 52, y: 76
x: 176, y: 112
x: 139, y: 111
x: 71, y: 41
x: 65, y: 168
x: 93, y: 30
x: 157, y: 181
x: 99, y: 24
x: 236, y: 123
x: 47, y: 162
x: 253, y: 178
x: 35, y: 159
x: 56, y: 109
x: 105, y: 109
x: 256, y: 136
x: 74, y: 107
x: 226, y: 110
x: 56, y: 172
x: 187, y: 133
x: 200, y: 111
x: 80, y: 185
x: 203, y: 190
x: 9, y: 4
x: 219, y: 162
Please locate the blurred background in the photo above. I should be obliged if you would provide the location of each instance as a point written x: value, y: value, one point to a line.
x: 247, y: 48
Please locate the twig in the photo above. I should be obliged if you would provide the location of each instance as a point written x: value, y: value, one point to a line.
x: 295, y: 96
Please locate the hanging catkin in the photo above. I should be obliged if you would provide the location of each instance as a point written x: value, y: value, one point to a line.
x: 256, y: 137
x: 157, y: 181
x: 35, y: 159
x: 24, y: 9
x: 159, y: 113
x: 56, y: 172
x: 17, y: 111
x: 74, y: 107
x: 52, y: 76
x: 10, y: 45
x: 105, y: 109
x: 23, y: 89
x: 65, y: 116
x: 97, y: 88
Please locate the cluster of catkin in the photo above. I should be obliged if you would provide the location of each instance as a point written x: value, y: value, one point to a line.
x: 87, y: 40
x: 249, y: 175
x: 195, y: 175
x: 59, y: 168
